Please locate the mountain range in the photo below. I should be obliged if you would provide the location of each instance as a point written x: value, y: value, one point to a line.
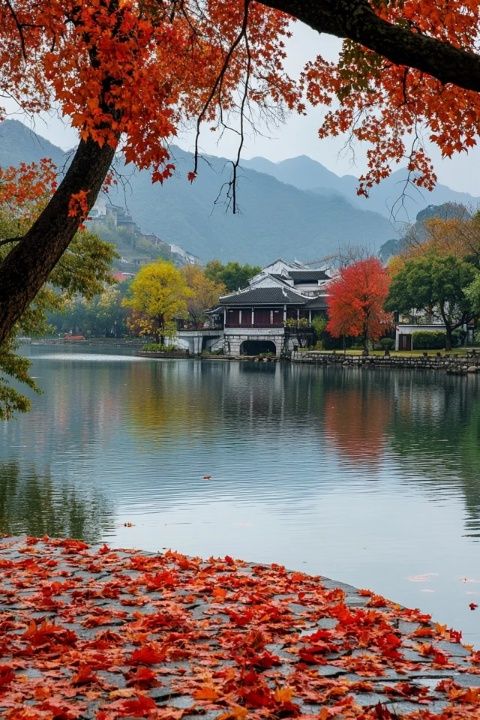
x: 394, y: 198
x: 296, y: 208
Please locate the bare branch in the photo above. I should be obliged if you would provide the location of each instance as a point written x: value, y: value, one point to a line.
x: 232, y: 185
x: 217, y: 86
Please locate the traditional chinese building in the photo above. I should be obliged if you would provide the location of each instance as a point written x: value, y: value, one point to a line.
x: 274, y: 313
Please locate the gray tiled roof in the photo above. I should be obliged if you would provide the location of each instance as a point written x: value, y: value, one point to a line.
x: 317, y: 303
x: 265, y: 296
x: 307, y: 275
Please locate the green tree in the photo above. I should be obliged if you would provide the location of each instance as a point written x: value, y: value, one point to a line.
x: 435, y: 284
x: 472, y: 293
x: 204, y: 292
x: 319, y: 324
x: 157, y: 295
x: 83, y: 270
x: 104, y: 315
x: 233, y: 275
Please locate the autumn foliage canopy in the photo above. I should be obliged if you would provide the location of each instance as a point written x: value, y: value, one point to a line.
x: 355, y: 301
x: 139, y: 69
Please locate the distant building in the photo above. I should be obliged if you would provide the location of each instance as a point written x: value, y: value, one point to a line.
x: 186, y: 257
x: 106, y: 215
x: 122, y: 276
x: 118, y: 216
x: 274, y: 313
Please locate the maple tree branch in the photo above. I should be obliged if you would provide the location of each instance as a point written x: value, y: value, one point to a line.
x: 236, y: 162
x: 357, y: 21
x: 19, y: 27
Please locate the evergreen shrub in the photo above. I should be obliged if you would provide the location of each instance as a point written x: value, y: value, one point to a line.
x: 387, y: 343
x: 157, y: 347
x: 428, y: 340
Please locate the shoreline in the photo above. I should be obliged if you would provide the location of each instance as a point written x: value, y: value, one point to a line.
x: 462, y: 365
x: 99, y: 634
x: 451, y: 365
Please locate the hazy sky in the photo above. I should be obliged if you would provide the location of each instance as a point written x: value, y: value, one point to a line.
x: 298, y: 135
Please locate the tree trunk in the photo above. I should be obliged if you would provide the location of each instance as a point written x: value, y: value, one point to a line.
x: 27, y: 267
x: 355, y: 19
x: 448, y: 337
x: 365, y: 336
x: 448, y: 327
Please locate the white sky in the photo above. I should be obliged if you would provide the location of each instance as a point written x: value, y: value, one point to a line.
x: 298, y: 135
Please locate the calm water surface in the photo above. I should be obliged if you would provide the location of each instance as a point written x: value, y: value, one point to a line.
x: 372, y: 478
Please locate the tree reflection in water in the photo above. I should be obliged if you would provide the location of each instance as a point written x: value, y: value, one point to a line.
x: 436, y: 429
x: 146, y: 433
x: 357, y: 414
x: 34, y: 504
x: 168, y: 399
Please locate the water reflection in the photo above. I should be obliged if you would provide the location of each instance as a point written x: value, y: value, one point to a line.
x: 34, y: 504
x: 168, y: 399
x: 281, y: 432
x: 435, y: 430
x: 367, y: 476
x: 357, y: 413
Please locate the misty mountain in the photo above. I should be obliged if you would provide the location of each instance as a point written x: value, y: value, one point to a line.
x: 393, y: 197
x: 274, y: 218
x: 19, y: 143
x: 307, y: 174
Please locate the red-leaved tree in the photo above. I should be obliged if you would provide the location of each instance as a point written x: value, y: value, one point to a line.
x: 355, y: 302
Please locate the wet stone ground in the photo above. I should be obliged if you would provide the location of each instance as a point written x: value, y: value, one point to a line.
x: 93, y: 633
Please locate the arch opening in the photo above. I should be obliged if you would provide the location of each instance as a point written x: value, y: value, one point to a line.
x: 257, y: 347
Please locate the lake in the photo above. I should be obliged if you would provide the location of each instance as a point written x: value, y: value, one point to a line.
x: 369, y: 477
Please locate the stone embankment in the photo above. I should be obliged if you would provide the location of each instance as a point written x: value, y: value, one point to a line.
x: 165, y: 354
x: 452, y: 365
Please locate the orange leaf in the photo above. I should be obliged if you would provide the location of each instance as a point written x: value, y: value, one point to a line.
x: 206, y: 692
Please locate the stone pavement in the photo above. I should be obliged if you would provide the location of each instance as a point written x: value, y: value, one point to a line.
x: 93, y: 633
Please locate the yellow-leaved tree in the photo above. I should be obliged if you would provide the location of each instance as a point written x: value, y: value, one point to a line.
x: 204, y: 293
x: 158, y: 295
x: 456, y: 236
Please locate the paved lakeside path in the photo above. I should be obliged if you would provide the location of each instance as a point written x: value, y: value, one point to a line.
x: 93, y: 633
